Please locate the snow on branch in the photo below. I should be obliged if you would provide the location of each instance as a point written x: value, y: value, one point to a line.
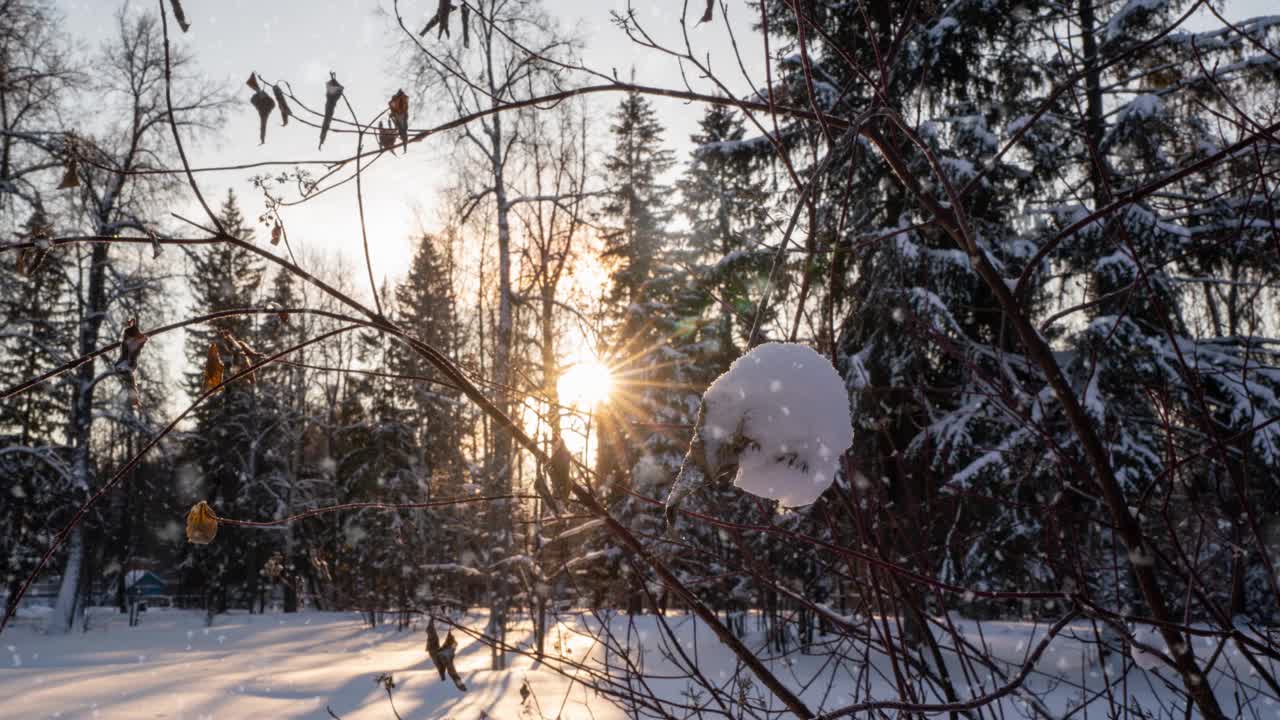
x: 781, y: 414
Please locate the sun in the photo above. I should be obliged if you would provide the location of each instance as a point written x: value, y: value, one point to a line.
x: 585, y: 384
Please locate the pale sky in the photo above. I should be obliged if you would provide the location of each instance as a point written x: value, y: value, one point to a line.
x: 302, y: 40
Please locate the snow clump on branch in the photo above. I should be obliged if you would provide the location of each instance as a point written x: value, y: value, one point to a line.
x: 781, y: 414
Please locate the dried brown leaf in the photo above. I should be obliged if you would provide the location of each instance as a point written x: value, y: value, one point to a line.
x: 131, y: 342
x: 709, y: 13
x: 252, y: 82
x: 244, y: 355
x: 212, y: 368
x: 398, y: 108
x: 321, y: 567
x: 442, y: 654
x: 70, y: 175
x: 180, y: 16
x: 202, y: 524
x: 284, y: 105
x: 386, y: 137
x: 156, y: 246
x: 263, y: 103
x: 332, y: 94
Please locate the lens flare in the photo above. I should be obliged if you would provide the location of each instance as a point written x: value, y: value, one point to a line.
x: 585, y: 384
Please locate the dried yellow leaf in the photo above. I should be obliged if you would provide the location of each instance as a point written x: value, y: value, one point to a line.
x: 212, y: 368
x: 202, y: 524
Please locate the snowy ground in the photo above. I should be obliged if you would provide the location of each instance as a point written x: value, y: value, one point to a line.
x: 293, y: 666
x: 249, y: 666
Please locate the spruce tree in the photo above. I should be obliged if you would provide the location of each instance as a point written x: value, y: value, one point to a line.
x: 637, y: 210
x: 37, y: 322
x: 905, y: 318
x: 725, y: 201
x: 635, y: 250
x: 433, y: 418
x: 1168, y: 332
x: 707, y: 288
x: 425, y: 303
x: 284, y: 389
x: 231, y: 439
x: 369, y: 453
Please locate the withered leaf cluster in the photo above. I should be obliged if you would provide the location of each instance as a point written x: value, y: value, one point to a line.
x: 263, y: 103
x: 440, y: 19
x: 442, y: 654
x: 243, y: 356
